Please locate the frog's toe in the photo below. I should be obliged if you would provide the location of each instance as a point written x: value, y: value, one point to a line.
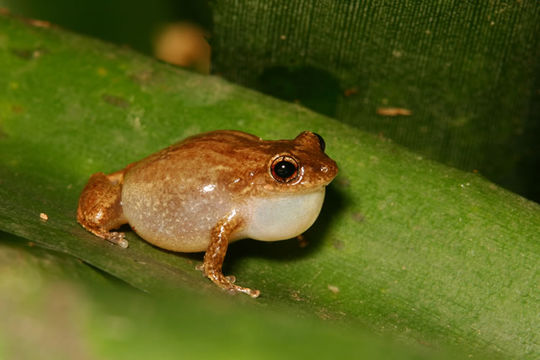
x: 251, y: 292
x: 117, y: 238
x: 240, y: 289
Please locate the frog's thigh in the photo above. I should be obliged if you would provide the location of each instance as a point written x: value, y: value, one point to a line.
x: 100, y: 209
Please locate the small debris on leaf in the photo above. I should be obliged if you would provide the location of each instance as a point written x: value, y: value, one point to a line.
x: 116, y: 101
x: 358, y: 217
x: 39, y: 23
x: 392, y: 111
x: 351, y: 91
x: 333, y: 289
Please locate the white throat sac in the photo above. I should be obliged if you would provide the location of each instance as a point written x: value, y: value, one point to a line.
x: 282, y: 217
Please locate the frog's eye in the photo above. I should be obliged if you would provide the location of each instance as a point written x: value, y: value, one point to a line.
x: 322, y: 144
x: 284, y: 169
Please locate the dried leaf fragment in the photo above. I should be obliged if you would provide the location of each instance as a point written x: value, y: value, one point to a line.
x: 393, y: 111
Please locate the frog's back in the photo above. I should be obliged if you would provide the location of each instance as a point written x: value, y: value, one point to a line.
x: 173, y: 198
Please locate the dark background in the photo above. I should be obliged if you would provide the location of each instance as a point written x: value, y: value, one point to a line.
x: 468, y: 72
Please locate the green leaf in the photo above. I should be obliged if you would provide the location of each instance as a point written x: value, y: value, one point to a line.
x: 404, y: 246
x: 55, y: 307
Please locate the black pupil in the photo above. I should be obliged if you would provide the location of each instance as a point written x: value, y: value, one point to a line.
x: 284, y: 169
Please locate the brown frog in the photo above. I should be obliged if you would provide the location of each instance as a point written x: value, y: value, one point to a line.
x: 209, y: 190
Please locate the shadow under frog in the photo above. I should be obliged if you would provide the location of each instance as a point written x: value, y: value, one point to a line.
x: 212, y: 189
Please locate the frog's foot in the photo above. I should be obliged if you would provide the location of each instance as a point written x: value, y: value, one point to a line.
x: 117, y: 238
x: 302, y: 242
x: 251, y: 292
x: 227, y: 282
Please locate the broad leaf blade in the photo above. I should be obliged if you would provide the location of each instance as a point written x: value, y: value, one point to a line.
x: 55, y: 307
x: 404, y: 245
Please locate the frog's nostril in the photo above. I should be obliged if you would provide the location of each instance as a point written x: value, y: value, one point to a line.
x: 322, y: 144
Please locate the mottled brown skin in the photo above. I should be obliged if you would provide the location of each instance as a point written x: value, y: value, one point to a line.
x: 208, y: 190
x: 100, y: 208
x: 249, y: 160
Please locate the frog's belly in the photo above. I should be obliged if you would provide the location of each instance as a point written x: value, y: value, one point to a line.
x: 178, y: 222
x: 281, y: 217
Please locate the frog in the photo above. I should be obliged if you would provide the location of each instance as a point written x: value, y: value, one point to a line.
x: 209, y: 190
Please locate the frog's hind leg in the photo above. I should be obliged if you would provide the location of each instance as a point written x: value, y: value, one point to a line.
x: 100, y: 208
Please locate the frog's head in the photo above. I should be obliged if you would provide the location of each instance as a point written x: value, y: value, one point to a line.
x: 288, y: 193
x: 299, y: 165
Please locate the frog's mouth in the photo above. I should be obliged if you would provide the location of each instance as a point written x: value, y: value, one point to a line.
x: 283, y: 216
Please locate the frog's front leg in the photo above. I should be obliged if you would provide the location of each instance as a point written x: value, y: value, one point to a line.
x: 215, y: 255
